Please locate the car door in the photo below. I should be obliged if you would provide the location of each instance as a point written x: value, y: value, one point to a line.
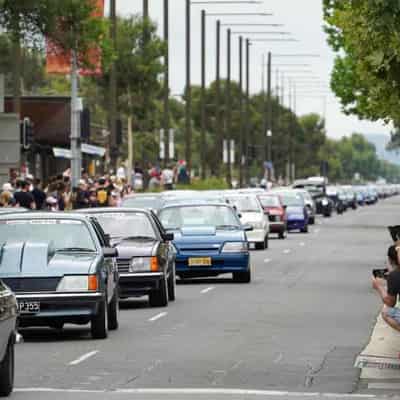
x: 8, y: 313
x: 167, y: 248
x: 110, y: 266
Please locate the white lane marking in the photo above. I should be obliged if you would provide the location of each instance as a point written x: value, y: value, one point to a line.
x: 211, y: 391
x: 267, y: 260
x: 278, y: 358
x: 287, y: 251
x: 206, y: 290
x: 158, y: 316
x: 83, y: 358
x: 302, y: 244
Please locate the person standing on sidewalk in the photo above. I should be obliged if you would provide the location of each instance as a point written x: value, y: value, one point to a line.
x: 389, y: 290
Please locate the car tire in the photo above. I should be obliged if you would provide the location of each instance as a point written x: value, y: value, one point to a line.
x: 99, y: 322
x: 260, y: 245
x: 159, y: 298
x: 266, y: 242
x: 7, y: 368
x: 282, y: 235
x: 304, y: 230
x: 311, y: 221
x: 242, y: 277
x: 112, y: 314
x: 171, y: 285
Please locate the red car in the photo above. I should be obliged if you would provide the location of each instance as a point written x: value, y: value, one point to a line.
x: 273, y: 206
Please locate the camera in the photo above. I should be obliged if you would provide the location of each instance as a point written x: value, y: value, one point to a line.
x: 380, y: 273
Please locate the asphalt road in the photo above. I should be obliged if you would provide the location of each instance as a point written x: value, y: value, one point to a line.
x: 293, y: 332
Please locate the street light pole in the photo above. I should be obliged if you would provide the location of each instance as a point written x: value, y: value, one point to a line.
x: 218, y: 98
x: 203, y: 94
x: 228, y: 113
x: 269, y: 114
x: 166, y: 82
x: 241, y: 111
x: 247, y: 126
x: 113, y: 86
x: 188, y: 94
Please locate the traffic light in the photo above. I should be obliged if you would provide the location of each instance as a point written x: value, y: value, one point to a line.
x: 26, y: 133
x: 85, y: 124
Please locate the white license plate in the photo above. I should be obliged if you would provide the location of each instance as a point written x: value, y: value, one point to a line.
x: 28, y: 307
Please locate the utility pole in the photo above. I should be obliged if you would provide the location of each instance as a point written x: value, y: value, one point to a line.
x: 241, y: 155
x: 247, y: 125
x: 166, y: 124
x: 76, y: 155
x: 203, y: 95
x: 269, y: 113
x: 218, y: 99
x: 145, y: 9
x: 113, y: 87
x: 188, y: 97
x: 228, y: 113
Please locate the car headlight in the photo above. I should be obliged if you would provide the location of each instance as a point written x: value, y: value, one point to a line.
x: 78, y: 283
x: 235, y: 247
x: 144, y: 264
x: 324, y: 202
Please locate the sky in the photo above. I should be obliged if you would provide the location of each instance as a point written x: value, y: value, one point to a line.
x: 302, y: 19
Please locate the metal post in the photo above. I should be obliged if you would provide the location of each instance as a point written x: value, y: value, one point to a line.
x: 76, y: 156
x: 113, y: 86
x: 2, y: 92
x: 188, y: 97
x: 247, y: 125
x: 145, y: 9
x: 166, y: 80
x: 241, y: 155
x: 269, y: 114
x: 218, y: 121
x: 203, y: 95
x: 228, y: 114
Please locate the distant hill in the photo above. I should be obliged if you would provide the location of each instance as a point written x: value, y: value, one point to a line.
x: 380, y: 141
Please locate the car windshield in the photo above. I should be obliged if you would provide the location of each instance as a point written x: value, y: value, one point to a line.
x: 244, y: 203
x: 146, y: 202
x: 269, y: 201
x: 126, y: 224
x: 63, y: 233
x: 292, y: 200
x: 197, y: 216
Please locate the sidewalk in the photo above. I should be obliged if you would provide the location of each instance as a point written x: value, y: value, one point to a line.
x: 380, y: 361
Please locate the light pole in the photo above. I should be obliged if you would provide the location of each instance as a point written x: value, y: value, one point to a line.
x: 166, y: 124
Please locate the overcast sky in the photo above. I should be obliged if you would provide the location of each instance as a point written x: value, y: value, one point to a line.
x: 303, y: 19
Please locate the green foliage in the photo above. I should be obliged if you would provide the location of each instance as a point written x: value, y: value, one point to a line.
x: 207, y: 184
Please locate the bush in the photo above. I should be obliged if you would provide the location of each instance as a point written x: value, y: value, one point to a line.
x: 207, y: 184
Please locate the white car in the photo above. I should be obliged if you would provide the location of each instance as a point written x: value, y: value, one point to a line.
x: 251, y: 213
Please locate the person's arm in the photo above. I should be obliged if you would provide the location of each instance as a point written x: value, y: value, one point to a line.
x: 386, y: 295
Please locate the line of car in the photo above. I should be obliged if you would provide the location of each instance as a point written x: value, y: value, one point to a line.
x: 76, y: 267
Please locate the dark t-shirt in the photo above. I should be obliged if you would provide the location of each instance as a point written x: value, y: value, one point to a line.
x: 40, y: 198
x: 393, y: 283
x: 24, y: 199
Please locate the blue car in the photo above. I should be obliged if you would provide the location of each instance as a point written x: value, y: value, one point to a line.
x: 296, y: 211
x: 209, y: 240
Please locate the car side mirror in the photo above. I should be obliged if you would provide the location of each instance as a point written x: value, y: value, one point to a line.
x: 107, y: 238
x: 110, y: 252
x: 247, y: 228
x: 239, y: 215
x: 168, y: 237
x: 285, y: 207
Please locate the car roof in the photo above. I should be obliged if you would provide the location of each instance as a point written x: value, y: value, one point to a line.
x: 138, y: 195
x: 103, y: 210
x: 196, y: 204
x: 45, y: 215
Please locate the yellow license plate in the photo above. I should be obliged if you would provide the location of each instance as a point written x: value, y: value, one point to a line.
x: 200, y: 262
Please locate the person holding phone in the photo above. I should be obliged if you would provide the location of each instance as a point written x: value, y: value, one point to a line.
x: 389, y: 288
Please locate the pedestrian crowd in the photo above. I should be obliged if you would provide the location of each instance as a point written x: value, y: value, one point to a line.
x: 102, y: 191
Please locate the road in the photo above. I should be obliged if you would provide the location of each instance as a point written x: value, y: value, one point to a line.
x: 295, y: 331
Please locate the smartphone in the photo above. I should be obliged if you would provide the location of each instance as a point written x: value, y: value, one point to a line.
x: 380, y: 273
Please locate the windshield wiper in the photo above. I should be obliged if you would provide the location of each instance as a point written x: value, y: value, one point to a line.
x: 227, y: 227
x: 77, y: 249
x: 138, y: 237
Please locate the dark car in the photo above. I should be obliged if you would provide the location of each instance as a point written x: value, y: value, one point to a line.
x: 146, y: 258
x: 276, y: 211
x: 296, y: 211
x: 61, y: 270
x: 8, y: 316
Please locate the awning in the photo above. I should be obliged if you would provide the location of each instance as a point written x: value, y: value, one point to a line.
x: 85, y: 148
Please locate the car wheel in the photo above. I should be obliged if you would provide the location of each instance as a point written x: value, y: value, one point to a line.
x: 311, y: 220
x: 266, y: 240
x: 260, y: 245
x: 304, y: 230
x: 282, y: 235
x: 159, y: 298
x: 7, y: 371
x: 242, y: 277
x: 113, y: 309
x: 98, y: 324
x: 327, y: 214
x: 171, y: 285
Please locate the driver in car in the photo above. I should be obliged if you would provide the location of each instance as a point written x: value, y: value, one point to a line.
x: 389, y: 289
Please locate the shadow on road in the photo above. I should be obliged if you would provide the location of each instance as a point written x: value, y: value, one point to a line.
x: 134, y: 304
x: 36, y: 335
x: 204, y: 281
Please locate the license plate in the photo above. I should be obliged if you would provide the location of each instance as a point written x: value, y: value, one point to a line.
x: 200, y: 262
x: 28, y: 307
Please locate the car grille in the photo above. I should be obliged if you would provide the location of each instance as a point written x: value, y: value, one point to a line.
x: 32, y: 284
x: 123, y: 266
